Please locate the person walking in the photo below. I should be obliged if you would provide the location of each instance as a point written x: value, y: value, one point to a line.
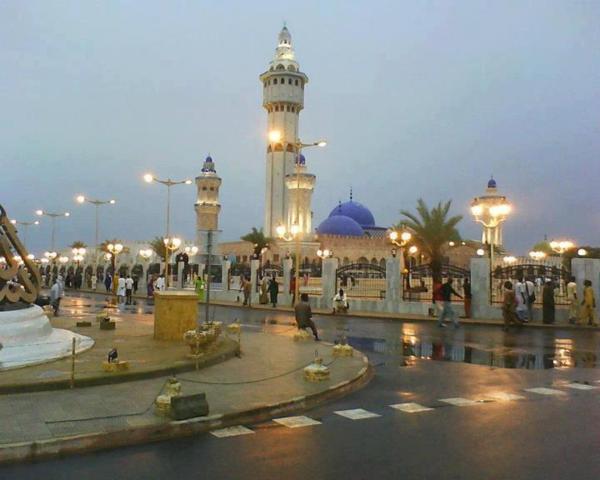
x: 57, y: 291
x: 292, y: 291
x: 247, y: 290
x: 263, y: 298
x: 548, y: 306
x: 572, y: 299
x: 160, y: 284
x: 303, y: 314
x: 273, y: 291
x: 121, y: 290
x: 468, y: 297
x: 588, y: 304
x: 135, y: 284
x: 529, y: 298
x: 129, y: 289
x: 509, y: 307
x: 522, y: 300
x: 107, y: 282
x: 150, y: 286
x: 447, y: 311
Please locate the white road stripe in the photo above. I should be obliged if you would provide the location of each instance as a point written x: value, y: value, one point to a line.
x: 580, y: 386
x: 231, y: 431
x: 411, y: 407
x: 459, y: 402
x: 545, y: 391
x: 296, y: 422
x: 504, y: 396
x: 356, y: 414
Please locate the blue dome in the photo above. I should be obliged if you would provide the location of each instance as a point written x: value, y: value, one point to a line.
x: 356, y: 211
x: 492, y: 183
x: 340, y: 225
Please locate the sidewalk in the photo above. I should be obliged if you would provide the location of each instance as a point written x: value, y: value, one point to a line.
x: 266, y: 381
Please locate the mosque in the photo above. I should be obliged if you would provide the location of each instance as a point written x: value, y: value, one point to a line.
x: 350, y: 231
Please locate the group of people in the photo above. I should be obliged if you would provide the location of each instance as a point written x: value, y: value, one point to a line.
x: 518, y: 302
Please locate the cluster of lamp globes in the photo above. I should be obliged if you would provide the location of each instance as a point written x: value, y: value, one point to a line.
x: 558, y: 246
x: 113, y: 250
x: 17, y: 258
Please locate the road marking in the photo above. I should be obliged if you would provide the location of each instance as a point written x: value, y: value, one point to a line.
x: 504, y: 396
x: 231, y: 431
x: 296, y: 422
x: 411, y: 407
x: 356, y: 414
x: 459, y: 402
x: 580, y: 386
x: 545, y: 391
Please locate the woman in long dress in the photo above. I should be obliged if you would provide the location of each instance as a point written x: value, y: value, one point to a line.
x: 264, y: 291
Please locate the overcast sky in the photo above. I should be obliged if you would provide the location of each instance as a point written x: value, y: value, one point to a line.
x: 416, y: 98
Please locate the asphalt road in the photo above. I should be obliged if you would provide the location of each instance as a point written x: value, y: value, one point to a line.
x: 545, y: 434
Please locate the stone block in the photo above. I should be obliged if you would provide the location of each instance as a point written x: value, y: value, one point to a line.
x: 84, y: 323
x: 107, y: 325
x: 112, y: 367
x: 342, y: 350
x: 175, y: 313
x: 189, y: 406
x: 316, y: 371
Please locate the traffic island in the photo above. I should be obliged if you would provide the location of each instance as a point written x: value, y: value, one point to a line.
x: 267, y: 382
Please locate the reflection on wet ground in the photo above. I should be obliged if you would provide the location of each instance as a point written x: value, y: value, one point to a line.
x: 479, y: 345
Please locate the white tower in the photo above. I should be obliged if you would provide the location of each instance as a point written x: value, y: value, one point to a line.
x: 300, y: 186
x: 207, y: 203
x: 283, y: 99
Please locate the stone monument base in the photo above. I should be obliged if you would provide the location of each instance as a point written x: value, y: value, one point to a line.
x: 27, y: 338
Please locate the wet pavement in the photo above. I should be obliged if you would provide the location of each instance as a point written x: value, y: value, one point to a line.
x: 547, y: 377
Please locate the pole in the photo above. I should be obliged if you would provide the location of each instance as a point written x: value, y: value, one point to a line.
x: 73, y: 363
x: 53, y: 226
x: 167, y: 251
x: 297, y: 273
x: 208, y: 255
x: 96, y: 241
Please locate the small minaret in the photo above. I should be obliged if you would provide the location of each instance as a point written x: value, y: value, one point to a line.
x: 283, y: 99
x: 300, y: 188
x: 207, y: 202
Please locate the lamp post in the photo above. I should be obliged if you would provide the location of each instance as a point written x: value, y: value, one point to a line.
x: 25, y: 226
x: 171, y: 244
x: 78, y: 255
x: 149, y: 178
x: 295, y: 229
x: 114, y: 249
x: 400, y: 239
x: 81, y: 199
x: 53, y: 216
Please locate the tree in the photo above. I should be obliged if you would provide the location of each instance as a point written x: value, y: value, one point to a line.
x: 432, y: 230
x: 258, y: 239
x: 78, y: 244
x: 158, y: 245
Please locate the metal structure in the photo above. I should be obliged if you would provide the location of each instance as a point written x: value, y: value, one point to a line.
x: 538, y: 273
x: 27, y: 285
x: 362, y: 280
x: 418, y: 285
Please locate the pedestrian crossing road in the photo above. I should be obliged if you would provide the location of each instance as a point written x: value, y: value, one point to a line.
x: 355, y: 414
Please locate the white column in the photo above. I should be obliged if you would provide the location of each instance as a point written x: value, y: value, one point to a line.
x: 587, y: 269
x: 330, y: 266
x: 254, y: 264
x: 393, y: 279
x: 287, y: 274
x: 225, y: 274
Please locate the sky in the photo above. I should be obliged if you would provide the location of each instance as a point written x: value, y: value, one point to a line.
x: 415, y: 98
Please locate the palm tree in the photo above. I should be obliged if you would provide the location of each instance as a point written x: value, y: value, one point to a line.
x: 258, y: 239
x: 158, y: 245
x: 78, y: 244
x: 432, y: 230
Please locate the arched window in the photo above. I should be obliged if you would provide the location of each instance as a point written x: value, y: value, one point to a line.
x: 278, y: 147
x: 289, y: 81
x: 291, y: 68
x: 287, y: 108
x: 269, y: 149
x: 290, y: 148
x: 296, y: 82
x: 346, y: 261
x: 374, y: 261
x: 382, y: 263
x: 362, y: 260
x: 280, y: 67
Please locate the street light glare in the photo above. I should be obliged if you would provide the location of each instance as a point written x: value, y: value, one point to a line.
x: 148, y: 178
x: 280, y: 230
x: 37, y: 222
x: 67, y: 214
x: 321, y: 143
x: 188, y: 182
x: 39, y: 212
x: 13, y: 221
x: 112, y: 202
x: 80, y: 199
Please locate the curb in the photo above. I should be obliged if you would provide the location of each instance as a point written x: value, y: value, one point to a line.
x: 45, y: 449
x: 232, y: 349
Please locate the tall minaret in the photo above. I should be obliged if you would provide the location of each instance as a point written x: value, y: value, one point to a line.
x: 300, y: 186
x: 283, y: 99
x: 207, y: 203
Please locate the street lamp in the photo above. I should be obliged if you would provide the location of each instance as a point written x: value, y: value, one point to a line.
x: 537, y: 255
x: 326, y: 253
x: 171, y: 244
x: 295, y: 229
x: 509, y: 259
x: 81, y: 199
x: 191, y: 250
x: 561, y: 246
x: 25, y: 226
x: 114, y: 250
x: 78, y: 255
x: 491, y: 210
x: 145, y: 253
x: 582, y: 252
x: 149, y: 178
x: 53, y: 216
